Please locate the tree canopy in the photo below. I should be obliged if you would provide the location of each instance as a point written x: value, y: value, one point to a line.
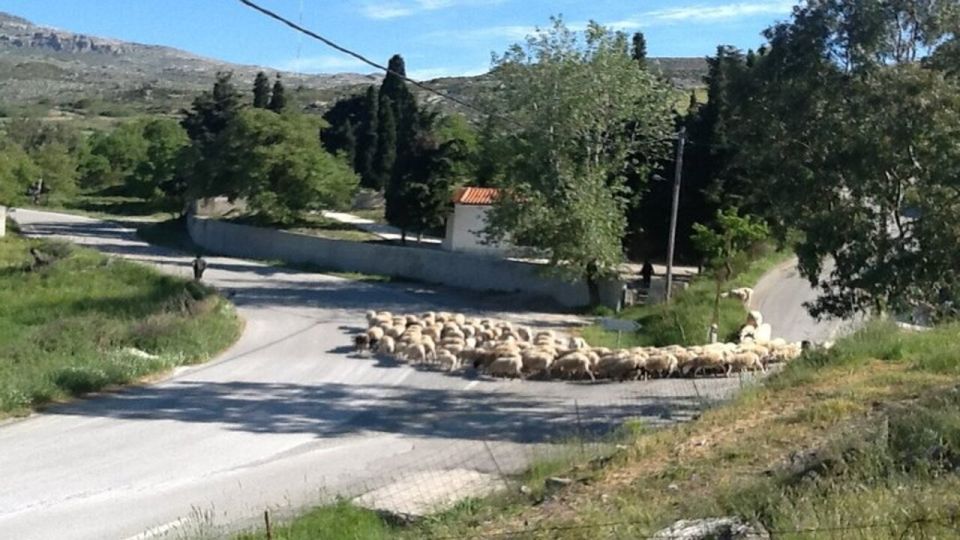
x: 577, y: 117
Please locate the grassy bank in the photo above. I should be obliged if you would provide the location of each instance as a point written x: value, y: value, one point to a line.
x: 686, y: 319
x: 859, y: 442
x: 69, y: 326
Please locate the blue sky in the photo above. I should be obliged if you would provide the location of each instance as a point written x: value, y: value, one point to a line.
x: 436, y: 37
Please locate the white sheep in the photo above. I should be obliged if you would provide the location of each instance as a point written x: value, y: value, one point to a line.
x: 574, y: 364
x: 744, y: 294
x: 506, y: 366
x: 447, y: 360
x: 386, y: 345
x: 743, y: 361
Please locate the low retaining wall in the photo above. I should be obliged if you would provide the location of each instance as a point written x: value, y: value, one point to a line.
x: 427, y: 265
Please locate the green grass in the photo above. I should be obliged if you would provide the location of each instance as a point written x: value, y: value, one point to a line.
x: 340, y: 520
x: 115, y: 207
x: 686, y: 319
x: 65, y: 327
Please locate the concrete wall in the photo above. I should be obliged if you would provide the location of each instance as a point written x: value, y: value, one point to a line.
x: 464, y: 270
x: 463, y: 231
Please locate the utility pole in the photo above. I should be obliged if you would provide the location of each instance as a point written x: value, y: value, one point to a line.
x: 678, y: 170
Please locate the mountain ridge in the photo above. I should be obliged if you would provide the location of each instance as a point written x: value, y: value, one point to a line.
x: 46, y: 65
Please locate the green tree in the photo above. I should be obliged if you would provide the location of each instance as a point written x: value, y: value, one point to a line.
x: 639, y: 49
x: 367, y: 141
x: 276, y: 163
x: 17, y: 172
x: 848, y: 135
x: 419, y: 198
x: 386, y: 153
x: 261, y: 91
x: 578, y: 111
x: 278, y: 98
x: 58, y: 168
x: 159, y: 176
x: 123, y: 149
x: 726, y: 247
x: 206, y: 120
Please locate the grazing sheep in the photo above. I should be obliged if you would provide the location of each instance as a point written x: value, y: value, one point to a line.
x: 387, y: 345
x: 374, y: 335
x: 447, y: 360
x: 661, y: 364
x: 619, y: 365
x: 744, y: 294
x: 537, y: 360
x: 506, y: 366
x: 574, y: 364
x: 743, y: 361
x: 577, y: 342
x: 524, y: 333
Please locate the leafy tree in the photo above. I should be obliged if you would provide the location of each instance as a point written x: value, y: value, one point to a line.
x: 343, y: 119
x: 726, y: 247
x: 207, y: 119
x: 578, y: 112
x: 159, y: 175
x: 277, y: 164
x: 639, y: 49
x: 278, y: 99
x: 17, y: 172
x: 367, y: 140
x: 58, y: 168
x: 261, y: 91
x: 418, y: 199
x: 852, y: 138
x: 456, y: 127
x: 386, y: 154
x: 114, y: 156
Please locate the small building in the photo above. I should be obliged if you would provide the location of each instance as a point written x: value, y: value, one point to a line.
x: 469, y: 218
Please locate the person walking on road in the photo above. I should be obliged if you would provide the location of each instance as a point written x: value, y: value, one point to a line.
x: 199, y: 265
x: 646, y: 274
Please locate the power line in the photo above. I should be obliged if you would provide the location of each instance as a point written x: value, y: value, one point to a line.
x: 360, y: 57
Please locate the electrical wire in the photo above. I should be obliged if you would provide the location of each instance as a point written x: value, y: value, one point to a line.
x: 360, y: 57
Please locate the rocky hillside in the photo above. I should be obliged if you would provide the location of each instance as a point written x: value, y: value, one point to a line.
x: 47, y: 65
x: 102, y: 76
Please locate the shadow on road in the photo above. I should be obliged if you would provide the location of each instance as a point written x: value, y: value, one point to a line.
x: 335, y: 409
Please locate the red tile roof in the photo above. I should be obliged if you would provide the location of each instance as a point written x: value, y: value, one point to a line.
x: 475, y: 196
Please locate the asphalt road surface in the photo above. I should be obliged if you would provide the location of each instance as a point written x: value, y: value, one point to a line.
x: 287, y: 415
x: 780, y: 295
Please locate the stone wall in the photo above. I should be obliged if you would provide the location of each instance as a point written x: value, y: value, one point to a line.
x: 463, y: 270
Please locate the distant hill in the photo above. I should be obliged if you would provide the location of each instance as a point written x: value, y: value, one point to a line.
x: 95, y: 75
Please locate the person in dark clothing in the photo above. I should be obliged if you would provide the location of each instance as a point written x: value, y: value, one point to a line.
x: 646, y: 273
x: 199, y: 265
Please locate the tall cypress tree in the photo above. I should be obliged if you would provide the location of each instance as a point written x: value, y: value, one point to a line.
x: 350, y: 141
x: 386, y: 154
x: 639, y: 51
x: 261, y: 91
x: 367, y: 141
x: 278, y: 100
x: 395, y: 95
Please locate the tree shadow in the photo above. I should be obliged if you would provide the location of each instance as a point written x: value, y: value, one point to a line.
x: 333, y: 409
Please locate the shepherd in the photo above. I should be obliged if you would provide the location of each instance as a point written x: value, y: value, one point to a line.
x: 199, y: 265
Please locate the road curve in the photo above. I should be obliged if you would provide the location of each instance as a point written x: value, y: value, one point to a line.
x: 285, y: 416
x: 780, y: 295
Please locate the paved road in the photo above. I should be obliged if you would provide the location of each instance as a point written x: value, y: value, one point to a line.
x: 286, y: 415
x: 780, y: 296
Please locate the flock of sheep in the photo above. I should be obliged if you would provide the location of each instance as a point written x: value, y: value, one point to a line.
x: 499, y: 348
